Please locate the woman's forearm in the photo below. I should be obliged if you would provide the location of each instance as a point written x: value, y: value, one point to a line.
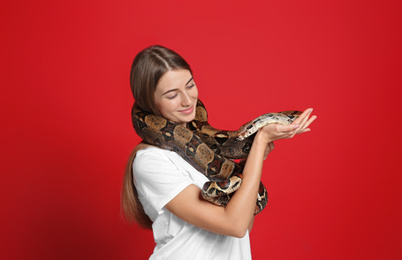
x: 241, y: 207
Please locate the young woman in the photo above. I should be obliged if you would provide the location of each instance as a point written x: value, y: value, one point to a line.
x: 162, y: 191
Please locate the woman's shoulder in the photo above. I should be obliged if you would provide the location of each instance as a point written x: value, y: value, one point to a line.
x: 152, y: 156
x: 153, y: 163
x: 152, y: 151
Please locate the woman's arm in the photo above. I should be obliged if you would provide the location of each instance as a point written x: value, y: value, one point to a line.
x: 235, y: 218
x: 250, y: 226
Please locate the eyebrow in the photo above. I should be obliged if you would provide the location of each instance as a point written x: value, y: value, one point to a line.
x: 174, y: 89
x: 189, y: 80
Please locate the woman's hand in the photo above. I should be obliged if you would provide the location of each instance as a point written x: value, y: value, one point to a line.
x: 275, y: 132
x: 268, y: 149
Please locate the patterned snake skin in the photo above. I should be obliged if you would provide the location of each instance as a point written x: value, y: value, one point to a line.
x: 208, y: 149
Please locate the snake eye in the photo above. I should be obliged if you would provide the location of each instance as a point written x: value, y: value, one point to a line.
x: 246, y: 148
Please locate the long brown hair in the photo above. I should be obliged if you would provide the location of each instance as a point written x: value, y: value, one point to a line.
x: 148, y: 67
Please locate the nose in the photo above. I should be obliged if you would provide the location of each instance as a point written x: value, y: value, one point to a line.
x: 186, y: 100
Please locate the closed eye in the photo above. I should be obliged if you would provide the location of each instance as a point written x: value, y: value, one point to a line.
x: 172, y: 96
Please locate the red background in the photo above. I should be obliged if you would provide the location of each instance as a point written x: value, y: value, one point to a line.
x: 66, y: 129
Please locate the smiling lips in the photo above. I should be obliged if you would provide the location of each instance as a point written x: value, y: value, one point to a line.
x: 187, y: 111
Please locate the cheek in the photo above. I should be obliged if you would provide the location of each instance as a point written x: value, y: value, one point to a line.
x: 194, y: 92
x: 166, y: 107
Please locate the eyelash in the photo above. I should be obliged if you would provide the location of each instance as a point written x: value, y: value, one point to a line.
x: 172, y: 97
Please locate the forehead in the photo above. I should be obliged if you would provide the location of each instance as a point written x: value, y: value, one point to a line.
x: 173, y: 79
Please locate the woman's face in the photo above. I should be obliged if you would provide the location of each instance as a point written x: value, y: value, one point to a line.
x: 176, y: 96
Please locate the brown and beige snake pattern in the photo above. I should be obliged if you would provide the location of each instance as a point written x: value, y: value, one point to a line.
x: 208, y: 149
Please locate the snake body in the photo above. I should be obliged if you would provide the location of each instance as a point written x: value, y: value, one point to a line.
x: 209, y: 150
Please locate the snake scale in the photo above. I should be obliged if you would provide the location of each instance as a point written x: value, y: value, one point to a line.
x: 209, y: 150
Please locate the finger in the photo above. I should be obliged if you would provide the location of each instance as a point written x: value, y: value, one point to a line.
x: 266, y: 152
x: 305, y: 130
x: 311, y: 120
x: 288, y: 128
x: 306, y: 118
x: 305, y: 114
x: 268, y: 149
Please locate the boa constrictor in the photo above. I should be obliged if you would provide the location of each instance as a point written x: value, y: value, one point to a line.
x: 211, y: 151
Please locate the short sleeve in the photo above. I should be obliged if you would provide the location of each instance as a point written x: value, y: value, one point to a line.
x: 157, y: 179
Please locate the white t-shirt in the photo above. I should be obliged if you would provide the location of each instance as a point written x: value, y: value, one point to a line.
x: 159, y: 175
